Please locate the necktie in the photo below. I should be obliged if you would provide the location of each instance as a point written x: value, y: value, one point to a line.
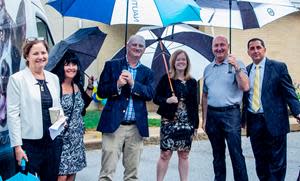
x: 256, y: 93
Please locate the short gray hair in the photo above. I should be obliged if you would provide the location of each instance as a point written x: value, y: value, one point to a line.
x: 138, y: 38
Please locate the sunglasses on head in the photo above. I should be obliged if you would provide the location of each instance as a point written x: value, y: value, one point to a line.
x: 30, y: 39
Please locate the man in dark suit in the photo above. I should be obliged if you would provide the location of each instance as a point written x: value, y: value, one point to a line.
x: 127, y: 85
x: 265, y: 111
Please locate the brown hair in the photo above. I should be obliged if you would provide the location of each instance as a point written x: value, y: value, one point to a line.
x: 172, y: 64
x: 28, y: 45
x: 256, y: 39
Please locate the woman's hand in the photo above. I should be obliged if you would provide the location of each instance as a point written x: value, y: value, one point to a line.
x: 172, y: 100
x: 91, y: 81
x: 90, y: 87
x: 20, y: 154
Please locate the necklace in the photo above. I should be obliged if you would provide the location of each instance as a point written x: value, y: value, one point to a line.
x: 41, y: 84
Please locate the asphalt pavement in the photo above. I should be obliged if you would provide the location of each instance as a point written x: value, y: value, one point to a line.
x: 201, y: 168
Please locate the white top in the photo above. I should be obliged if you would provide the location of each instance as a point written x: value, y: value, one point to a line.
x: 24, y: 107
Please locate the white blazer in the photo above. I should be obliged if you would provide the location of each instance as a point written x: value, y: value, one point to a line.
x: 24, y: 107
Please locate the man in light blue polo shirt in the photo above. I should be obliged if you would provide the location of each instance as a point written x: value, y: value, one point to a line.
x: 221, y: 99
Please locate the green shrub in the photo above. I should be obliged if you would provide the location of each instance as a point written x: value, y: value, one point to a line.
x: 91, y: 120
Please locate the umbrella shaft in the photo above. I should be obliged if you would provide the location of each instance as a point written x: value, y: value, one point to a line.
x: 166, y: 67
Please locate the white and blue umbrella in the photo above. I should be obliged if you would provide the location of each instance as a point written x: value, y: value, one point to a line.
x: 245, y: 14
x: 141, y: 12
x: 145, y: 12
x: 162, y: 42
x: 242, y: 14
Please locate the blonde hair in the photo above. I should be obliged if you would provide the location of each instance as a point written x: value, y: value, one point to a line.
x: 172, y: 64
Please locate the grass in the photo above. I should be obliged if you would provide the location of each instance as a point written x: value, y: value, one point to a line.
x: 91, y: 120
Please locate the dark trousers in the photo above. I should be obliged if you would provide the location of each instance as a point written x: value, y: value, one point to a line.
x: 44, y: 157
x: 221, y: 126
x: 269, y: 151
x: 7, y: 159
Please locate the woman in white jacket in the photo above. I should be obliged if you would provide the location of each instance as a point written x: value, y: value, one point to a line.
x: 30, y: 93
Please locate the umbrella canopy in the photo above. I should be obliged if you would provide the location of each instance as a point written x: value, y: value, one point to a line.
x: 185, y: 37
x: 245, y: 14
x: 242, y: 14
x: 85, y: 43
x: 23, y: 177
x: 147, y: 12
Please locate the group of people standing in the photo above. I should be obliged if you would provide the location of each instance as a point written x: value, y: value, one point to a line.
x: 264, y: 88
x: 265, y: 93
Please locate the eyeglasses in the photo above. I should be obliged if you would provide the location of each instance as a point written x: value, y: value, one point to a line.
x: 30, y: 39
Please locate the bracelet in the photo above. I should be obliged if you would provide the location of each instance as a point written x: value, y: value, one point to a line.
x: 90, y: 87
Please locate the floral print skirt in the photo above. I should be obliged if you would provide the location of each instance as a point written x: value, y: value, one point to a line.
x: 177, y: 134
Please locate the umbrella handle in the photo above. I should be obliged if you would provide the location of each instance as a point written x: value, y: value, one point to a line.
x: 85, y: 74
x: 166, y: 67
x: 23, y: 164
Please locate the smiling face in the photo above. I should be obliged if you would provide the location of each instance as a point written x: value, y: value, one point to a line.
x: 220, y: 48
x: 37, y: 57
x: 135, y: 47
x: 70, y: 70
x: 181, y: 62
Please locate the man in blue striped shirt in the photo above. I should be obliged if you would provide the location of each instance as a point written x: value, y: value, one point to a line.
x: 127, y: 85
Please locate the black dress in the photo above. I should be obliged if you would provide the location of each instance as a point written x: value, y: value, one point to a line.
x: 178, y: 120
x: 176, y: 134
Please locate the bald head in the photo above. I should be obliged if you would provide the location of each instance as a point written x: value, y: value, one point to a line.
x: 220, y: 48
x: 220, y: 38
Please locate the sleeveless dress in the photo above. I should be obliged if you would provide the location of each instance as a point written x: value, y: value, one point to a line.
x: 176, y: 134
x: 73, y: 158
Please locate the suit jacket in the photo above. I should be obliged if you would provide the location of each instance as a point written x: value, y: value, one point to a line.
x: 114, y: 110
x: 24, y: 107
x: 277, y: 93
x: 163, y: 92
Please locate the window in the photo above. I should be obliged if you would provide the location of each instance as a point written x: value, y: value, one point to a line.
x: 43, y: 31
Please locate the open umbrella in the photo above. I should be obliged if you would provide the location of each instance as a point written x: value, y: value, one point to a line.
x: 145, y: 12
x: 246, y: 14
x: 23, y: 175
x: 162, y: 42
x: 85, y: 43
x: 242, y: 14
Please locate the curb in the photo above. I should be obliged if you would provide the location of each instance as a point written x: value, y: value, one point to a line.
x: 96, y: 143
x: 93, y: 140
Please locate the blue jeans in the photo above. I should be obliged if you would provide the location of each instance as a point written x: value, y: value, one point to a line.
x: 221, y: 126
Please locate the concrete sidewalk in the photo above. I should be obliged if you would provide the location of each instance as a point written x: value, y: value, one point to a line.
x: 92, y: 139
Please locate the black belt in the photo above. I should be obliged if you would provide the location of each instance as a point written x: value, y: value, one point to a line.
x: 127, y: 123
x: 223, y: 109
x: 255, y: 114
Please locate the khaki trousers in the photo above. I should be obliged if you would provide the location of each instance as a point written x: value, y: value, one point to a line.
x: 125, y: 139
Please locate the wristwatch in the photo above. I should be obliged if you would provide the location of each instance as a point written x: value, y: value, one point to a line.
x: 238, y: 70
x: 90, y: 87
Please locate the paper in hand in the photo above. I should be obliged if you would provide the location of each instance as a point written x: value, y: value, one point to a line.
x: 57, y: 127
